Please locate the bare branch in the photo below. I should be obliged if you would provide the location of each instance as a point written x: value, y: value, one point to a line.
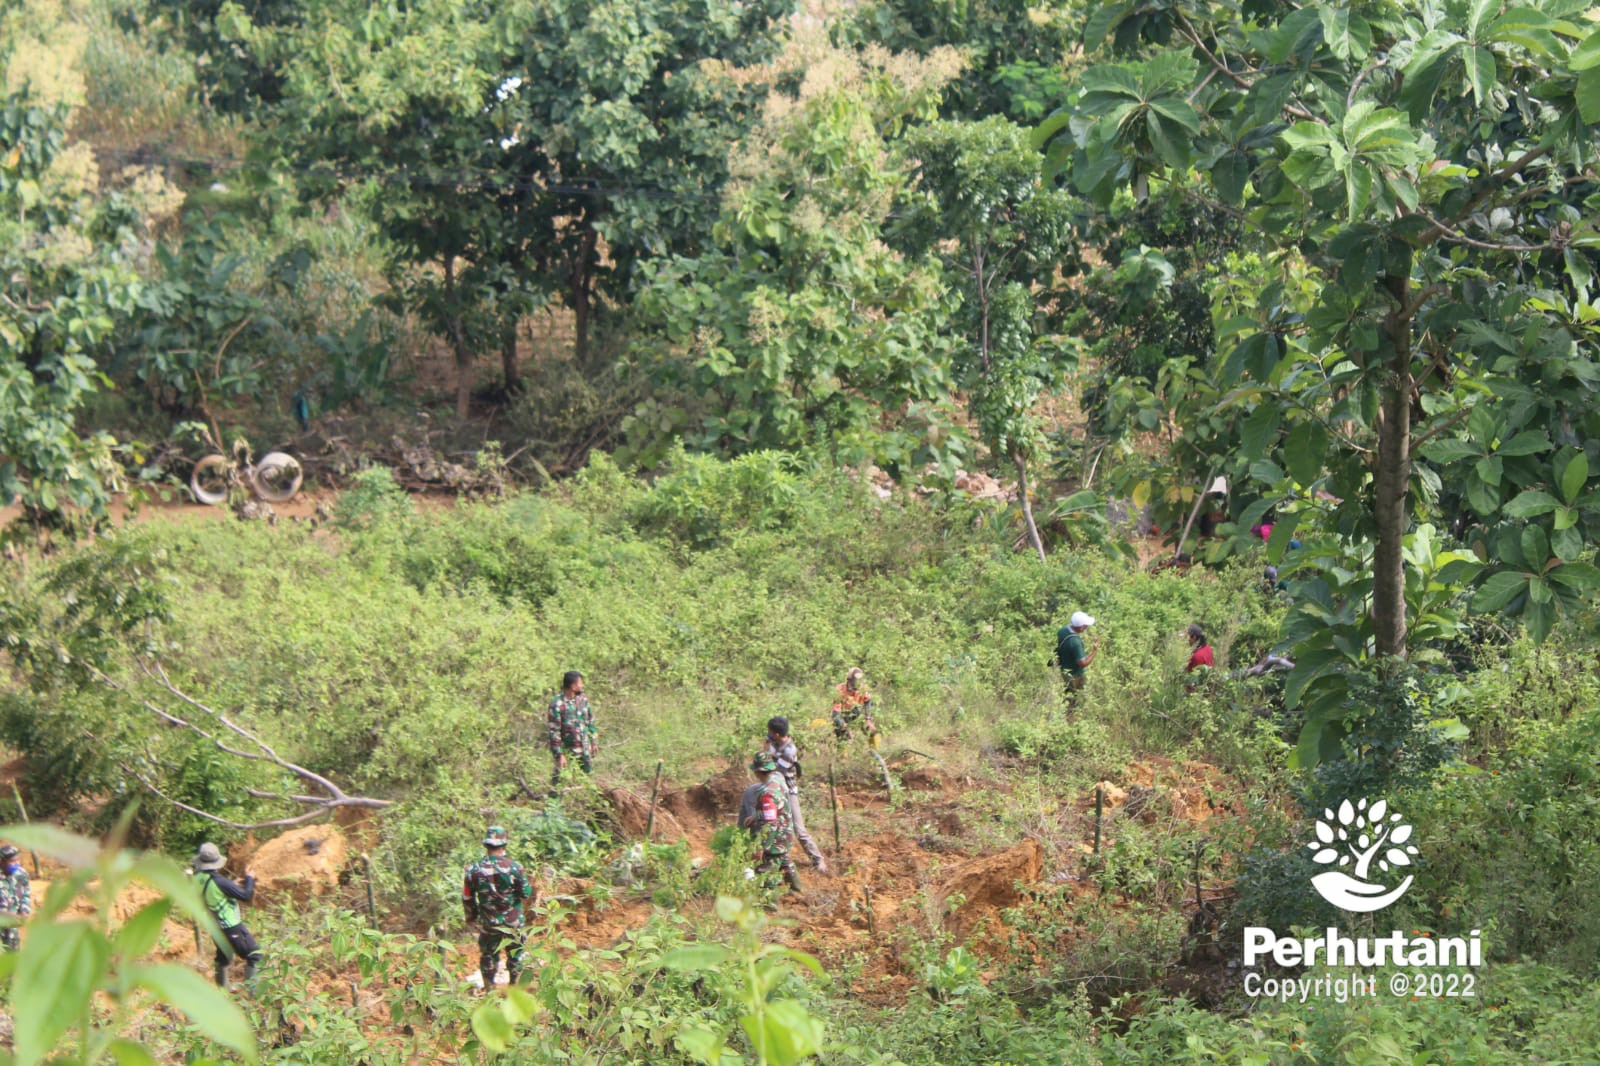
x: 331, y: 797
x: 276, y: 823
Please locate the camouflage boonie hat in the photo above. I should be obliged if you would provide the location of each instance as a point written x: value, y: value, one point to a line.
x: 763, y: 763
x: 9, y: 851
x: 495, y: 837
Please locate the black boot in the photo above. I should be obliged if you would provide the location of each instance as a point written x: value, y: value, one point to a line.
x: 250, y: 973
x: 221, y: 975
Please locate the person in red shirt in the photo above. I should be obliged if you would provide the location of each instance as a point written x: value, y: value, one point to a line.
x: 1202, y: 655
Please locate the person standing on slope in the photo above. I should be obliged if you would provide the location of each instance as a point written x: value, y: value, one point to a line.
x: 852, y: 704
x: 222, y: 898
x: 781, y: 746
x: 571, y: 724
x: 1070, y: 654
x: 16, y: 896
x: 492, y: 893
x: 764, y: 812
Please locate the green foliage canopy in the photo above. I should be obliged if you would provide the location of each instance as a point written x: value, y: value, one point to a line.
x: 1424, y: 171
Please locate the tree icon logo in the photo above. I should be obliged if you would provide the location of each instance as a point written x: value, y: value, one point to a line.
x: 1359, y: 833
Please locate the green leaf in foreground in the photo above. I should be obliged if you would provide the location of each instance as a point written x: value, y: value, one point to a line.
x: 207, y: 1007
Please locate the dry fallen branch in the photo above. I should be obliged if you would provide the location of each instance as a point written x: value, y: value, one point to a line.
x: 325, y: 798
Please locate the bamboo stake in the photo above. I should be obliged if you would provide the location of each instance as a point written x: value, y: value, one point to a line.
x: 1099, y: 811
x: 372, y: 904
x: 833, y: 794
x: 24, y: 812
x: 1199, y: 500
x: 655, y: 790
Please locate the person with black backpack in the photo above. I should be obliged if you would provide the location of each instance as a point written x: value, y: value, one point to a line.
x: 222, y: 897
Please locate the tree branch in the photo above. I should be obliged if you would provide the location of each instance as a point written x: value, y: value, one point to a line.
x: 1450, y: 233
x: 331, y: 797
x: 1234, y: 76
x: 1496, y: 180
x: 1453, y: 420
x: 276, y: 823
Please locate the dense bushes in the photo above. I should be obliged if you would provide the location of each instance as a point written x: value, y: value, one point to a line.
x: 410, y: 654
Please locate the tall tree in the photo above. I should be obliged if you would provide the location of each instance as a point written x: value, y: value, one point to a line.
x: 799, y: 323
x: 522, y: 151
x: 68, y: 252
x: 410, y: 104
x: 981, y: 207
x: 631, y: 106
x: 1431, y: 166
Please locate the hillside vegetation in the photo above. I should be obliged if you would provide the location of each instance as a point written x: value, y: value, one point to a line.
x: 408, y: 655
x: 716, y: 347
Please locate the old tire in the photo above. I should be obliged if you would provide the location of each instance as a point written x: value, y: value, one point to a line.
x: 209, y: 480
x: 277, y: 477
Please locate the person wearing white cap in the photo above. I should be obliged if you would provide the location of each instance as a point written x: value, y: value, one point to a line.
x: 1070, y: 654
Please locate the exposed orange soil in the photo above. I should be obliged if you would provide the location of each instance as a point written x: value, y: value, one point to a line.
x: 914, y: 872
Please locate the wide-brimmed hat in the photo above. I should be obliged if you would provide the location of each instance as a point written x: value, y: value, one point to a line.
x: 494, y: 837
x: 208, y: 858
x: 1080, y: 620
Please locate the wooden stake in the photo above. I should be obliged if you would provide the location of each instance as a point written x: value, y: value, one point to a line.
x: 833, y: 794
x: 24, y: 812
x: 888, y: 782
x: 1199, y: 501
x: 372, y: 903
x: 655, y: 790
x: 1099, y: 811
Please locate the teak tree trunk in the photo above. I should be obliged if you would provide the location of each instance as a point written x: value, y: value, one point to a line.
x: 1391, y: 477
x: 458, y: 341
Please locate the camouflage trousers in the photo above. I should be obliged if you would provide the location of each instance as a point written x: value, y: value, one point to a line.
x: 772, y: 857
x: 574, y: 755
x: 491, y: 942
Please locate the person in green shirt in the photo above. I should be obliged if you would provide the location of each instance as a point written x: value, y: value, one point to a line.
x: 222, y: 898
x: 1071, y: 656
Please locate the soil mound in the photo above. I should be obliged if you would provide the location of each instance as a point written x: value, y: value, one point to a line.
x: 713, y: 802
x: 177, y: 939
x: 632, y: 813
x: 980, y: 887
x: 303, y: 862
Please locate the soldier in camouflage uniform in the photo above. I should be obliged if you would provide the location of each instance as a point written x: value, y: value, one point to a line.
x: 16, y: 897
x: 571, y: 726
x: 764, y: 811
x: 492, y: 894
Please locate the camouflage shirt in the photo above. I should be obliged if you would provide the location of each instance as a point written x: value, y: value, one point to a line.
x: 571, y: 725
x: 772, y: 824
x: 493, y: 891
x: 15, y: 895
